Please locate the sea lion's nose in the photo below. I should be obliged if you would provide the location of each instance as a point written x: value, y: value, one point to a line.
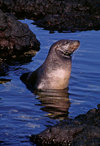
x: 76, y: 44
x: 76, y: 41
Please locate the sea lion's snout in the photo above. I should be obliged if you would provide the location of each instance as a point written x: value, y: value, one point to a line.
x: 67, y: 47
x: 74, y: 45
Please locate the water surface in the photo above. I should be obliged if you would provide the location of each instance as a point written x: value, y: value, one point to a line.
x: 23, y: 113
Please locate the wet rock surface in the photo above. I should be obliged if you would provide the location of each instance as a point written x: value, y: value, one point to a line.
x: 2, y: 80
x: 83, y: 130
x: 3, y: 68
x: 18, y: 44
x: 15, y: 37
x: 57, y: 14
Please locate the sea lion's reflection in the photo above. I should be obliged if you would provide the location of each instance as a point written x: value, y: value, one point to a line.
x: 55, y: 102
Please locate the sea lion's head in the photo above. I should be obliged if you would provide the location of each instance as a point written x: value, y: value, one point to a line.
x: 65, y: 47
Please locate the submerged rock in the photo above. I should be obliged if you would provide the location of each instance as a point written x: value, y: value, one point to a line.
x: 3, y: 80
x: 83, y: 130
x: 3, y: 68
x: 15, y: 37
x: 57, y: 14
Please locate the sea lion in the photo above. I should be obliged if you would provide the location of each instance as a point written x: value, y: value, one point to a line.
x: 55, y: 72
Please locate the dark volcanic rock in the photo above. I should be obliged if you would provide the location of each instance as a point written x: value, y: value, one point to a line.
x: 57, y: 14
x: 83, y: 130
x: 15, y: 37
x: 3, y: 68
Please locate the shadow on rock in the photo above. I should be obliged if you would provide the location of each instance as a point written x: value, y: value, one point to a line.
x: 3, y: 69
x: 2, y: 80
x: 83, y: 130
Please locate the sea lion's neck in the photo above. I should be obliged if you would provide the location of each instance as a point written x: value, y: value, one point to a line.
x: 53, y: 62
x: 55, y: 73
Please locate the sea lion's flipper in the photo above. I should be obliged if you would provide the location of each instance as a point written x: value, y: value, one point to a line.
x: 29, y: 79
x: 24, y: 77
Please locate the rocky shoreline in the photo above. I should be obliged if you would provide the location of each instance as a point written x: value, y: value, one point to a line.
x: 83, y: 130
x: 62, y: 15
x: 17, y: 42
x: 15, y: 37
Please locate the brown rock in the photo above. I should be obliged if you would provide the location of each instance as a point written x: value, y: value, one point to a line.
x: 57, y: 14
x: 83, y: 130
x: 15, y: 37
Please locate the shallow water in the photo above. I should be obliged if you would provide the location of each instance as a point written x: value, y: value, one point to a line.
x: 23, y: 113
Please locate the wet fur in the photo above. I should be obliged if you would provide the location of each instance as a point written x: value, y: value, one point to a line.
x: 55, y: 72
